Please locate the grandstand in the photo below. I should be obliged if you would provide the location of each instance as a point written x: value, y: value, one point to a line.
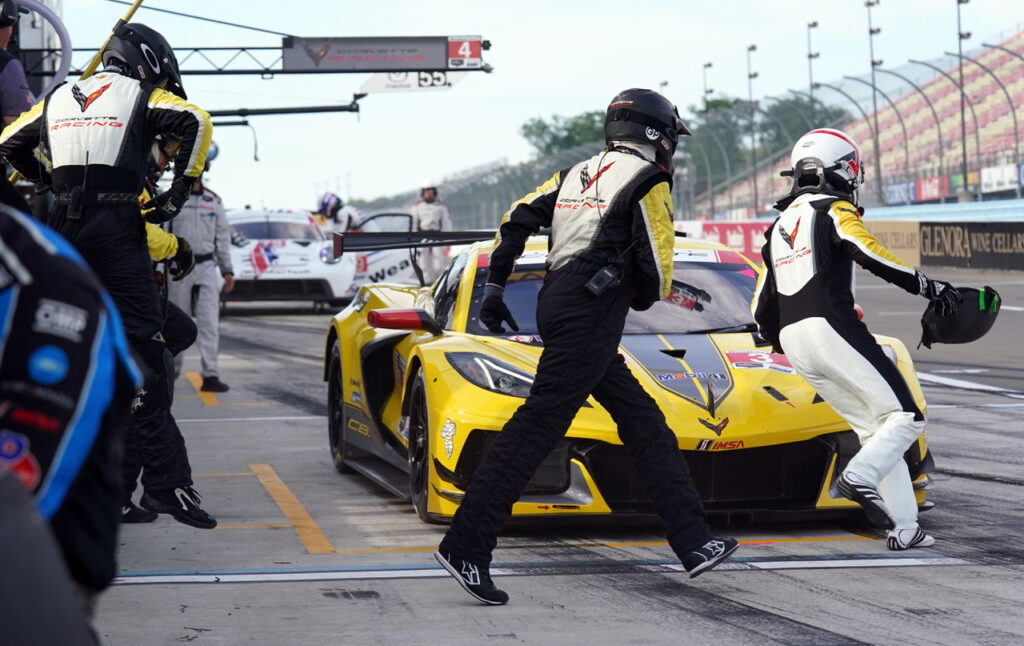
x: 917, y: 169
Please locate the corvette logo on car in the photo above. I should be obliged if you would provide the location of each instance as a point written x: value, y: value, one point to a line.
x: 717, y: 428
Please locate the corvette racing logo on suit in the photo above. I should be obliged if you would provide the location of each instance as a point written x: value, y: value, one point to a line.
x: 86, y: 101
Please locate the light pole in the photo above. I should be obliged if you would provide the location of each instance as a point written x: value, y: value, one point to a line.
x: 977, y: 139
x: 938, y: 127
x: 811, y: 55
x: 792, y: 106
x: 960, y: 38
x: 707, y: 90
x: 1013, y: 112
x: 753, y: 134
x: 872, y: 31
x: 903, y: 126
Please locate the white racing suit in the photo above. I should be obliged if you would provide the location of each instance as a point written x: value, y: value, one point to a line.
x: 431, y: 216
x: 804, y: 306
x: 203, y: 222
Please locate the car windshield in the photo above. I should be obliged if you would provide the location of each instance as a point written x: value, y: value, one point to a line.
x: 706, y: 297
x: 279, y: 230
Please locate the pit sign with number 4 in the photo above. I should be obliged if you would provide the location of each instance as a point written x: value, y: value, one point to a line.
x: 464, y: 52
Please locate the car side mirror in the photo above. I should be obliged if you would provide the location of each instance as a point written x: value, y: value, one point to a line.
x: 404, y: 319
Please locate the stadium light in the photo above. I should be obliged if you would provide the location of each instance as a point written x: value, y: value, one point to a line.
x: 872, y: 32
x: 964, y: 196
x: 811, y: 55
x: 707, y: 90
x: 753, y: 133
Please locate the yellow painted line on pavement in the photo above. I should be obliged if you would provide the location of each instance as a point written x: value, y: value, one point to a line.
x: 268, y: 526
x: 209, y: 399
x: 223, y: 475
x: 304, y: 525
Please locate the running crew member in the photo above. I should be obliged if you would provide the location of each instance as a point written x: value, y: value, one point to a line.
x: 99, y: 131
x: 804, y: 305
x: 610, y: 214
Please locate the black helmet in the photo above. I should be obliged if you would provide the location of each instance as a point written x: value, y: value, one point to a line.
x: 646, y: 117
x: 971, y: 321
x: 10, y: 12
x: 144, y: 54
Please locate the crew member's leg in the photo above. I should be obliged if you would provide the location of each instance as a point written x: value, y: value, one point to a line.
x: 207, y: 312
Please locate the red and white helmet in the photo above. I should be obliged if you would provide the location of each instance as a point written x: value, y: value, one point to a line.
x: 828, y: 161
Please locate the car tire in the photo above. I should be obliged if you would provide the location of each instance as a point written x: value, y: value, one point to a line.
x: 336, y: 422
x: 419, y: 449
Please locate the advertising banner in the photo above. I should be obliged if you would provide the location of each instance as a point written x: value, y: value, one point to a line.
x: 984, y: 245
x: 744, y: 237
x: 900, y: 237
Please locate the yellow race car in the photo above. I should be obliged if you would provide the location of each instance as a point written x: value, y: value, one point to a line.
x: 418, y: 388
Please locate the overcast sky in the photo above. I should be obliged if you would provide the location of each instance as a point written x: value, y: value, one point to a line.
x: 549, y: 58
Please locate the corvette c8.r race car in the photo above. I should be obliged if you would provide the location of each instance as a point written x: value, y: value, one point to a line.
x: 418, y: 389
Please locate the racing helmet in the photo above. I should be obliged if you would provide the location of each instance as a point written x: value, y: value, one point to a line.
x: 826, y: 161
x: 971, y: 321
x: 10, y: 12
x: 427, y: 186
x: 330, y: 204
x: 645, y: 117
x: 212, y: 153
x: 143, y: 54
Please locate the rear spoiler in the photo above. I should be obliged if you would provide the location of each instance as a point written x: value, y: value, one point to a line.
x: 358, y: 241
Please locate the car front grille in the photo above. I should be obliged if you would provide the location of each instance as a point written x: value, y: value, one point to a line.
x: 786, y: 476
x: 280, y: 290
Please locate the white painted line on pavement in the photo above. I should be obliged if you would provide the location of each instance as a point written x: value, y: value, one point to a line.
x: 961, y: 383
x: 264, y: 576
x: 249, y: 419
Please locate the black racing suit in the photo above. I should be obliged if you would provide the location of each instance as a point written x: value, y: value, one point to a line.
x: 99, y: 132
x: 66, y: 381
x: 581, y: 334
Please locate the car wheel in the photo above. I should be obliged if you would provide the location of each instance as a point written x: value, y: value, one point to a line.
x: 336, y: 411
x: 419, y: 448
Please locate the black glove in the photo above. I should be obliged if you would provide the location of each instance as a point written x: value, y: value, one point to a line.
x: 946, y: 297
x: 183, y: 262
x: 167, y: 204
x: 493, y: 310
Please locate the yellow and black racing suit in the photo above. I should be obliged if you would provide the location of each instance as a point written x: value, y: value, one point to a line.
x: 804, y: 305
x: 615, y: 205
x: 99, y: 132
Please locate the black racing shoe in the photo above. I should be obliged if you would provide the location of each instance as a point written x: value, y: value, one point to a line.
x: 709, y: 555
x: 214, y: 385
x: 862, y: 493
x: 476, y: 579
x: 132, y: 513
x: 182, y: 503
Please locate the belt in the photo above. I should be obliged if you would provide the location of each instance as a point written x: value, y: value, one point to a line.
x: 96, y: 198
x: 203, y: 257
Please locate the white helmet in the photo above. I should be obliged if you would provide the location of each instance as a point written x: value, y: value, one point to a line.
x: 826, y: 161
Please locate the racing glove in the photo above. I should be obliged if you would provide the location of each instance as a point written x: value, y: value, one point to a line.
x: 946, y: 297
x: 493, y: 310
x: 182, y: 263
x: 167, y: 204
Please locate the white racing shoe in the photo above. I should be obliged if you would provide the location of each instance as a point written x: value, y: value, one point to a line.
x: 904, y: 539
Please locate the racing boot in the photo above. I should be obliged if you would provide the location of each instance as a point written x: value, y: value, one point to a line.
x: 182, y: 503
x: 214, y: 385
x: 904, y: 539
x: 857, y: 489
x: 476, y: 579
x: 709, y: 555
x: 132, y: 513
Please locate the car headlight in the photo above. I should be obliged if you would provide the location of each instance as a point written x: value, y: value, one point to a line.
x: 493, y: 374
x: 327, y: 255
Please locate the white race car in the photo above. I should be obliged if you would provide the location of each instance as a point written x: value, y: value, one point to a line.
x: 285, y: 256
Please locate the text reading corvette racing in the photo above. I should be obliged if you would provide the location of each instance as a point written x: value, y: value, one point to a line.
x: 418, y: 388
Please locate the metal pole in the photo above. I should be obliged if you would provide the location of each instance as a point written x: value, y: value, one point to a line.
x: 753, y: 133
x: 906, y: 143
x: 970, y: 104
x: 725, y: 155
x: 707, y: 90
x: 810, y: 57
x: 707, y: 165
x: 1013, y: 111
x: 938, y: 126
x: 963, y: 97
x: 812, y: 99
x: 874, y: 98
x: 792, y: 106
